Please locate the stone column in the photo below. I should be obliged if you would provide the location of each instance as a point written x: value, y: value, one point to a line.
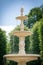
x: 21, y: 45
x: 22, y: 63
x: 22, y: 25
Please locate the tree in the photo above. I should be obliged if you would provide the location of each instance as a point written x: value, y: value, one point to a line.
x: 35, y: 39
x: 14, y: 42
x: 27, y: 44
x: 41, y: 38
x: 34, y: 15
x: 36, y: 12
x: 34, y: 62
x: 2, y: 45
x: 8, y: 47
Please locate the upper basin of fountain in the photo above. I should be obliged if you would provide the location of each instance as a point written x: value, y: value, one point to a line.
x: 21, y: 17
x: 22, y: 33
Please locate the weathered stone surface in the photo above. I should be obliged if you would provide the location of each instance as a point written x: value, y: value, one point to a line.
x: 22, y: 57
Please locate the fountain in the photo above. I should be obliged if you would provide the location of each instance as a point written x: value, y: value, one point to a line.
x: 22, y: 58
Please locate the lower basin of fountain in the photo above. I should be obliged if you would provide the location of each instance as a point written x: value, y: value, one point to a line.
x: 21, y: 57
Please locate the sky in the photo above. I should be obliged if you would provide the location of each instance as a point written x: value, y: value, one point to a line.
x: 10, y: 9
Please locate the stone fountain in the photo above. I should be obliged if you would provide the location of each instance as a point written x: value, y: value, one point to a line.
x: 22, y: 58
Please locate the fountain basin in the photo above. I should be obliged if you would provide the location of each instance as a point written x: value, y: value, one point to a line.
x: 22, y: 33
x: 21, y: 17
x: 21, y: 58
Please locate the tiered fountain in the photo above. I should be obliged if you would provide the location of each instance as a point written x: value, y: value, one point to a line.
x: 22, y: 58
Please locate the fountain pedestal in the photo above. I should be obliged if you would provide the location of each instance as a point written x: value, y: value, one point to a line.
x: 22, y: 63
x: 21, y: 45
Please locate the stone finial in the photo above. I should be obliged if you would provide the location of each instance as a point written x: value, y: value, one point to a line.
x: 22, y: 10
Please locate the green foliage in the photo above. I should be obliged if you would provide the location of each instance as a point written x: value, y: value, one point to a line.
x: 8, y: 48
x: 14, y: 40
x: 17, y: 28
x: 27, y: 44
x: 34, y: 62
x: 2, y: 45
x: 35, y: 39
x: 36, y: 12
x: 12, y: 63
x: 41, y: 38
x: 34, y: 15
x: 36, y: 45
x: 31, y: 20
x: 26, y: 28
